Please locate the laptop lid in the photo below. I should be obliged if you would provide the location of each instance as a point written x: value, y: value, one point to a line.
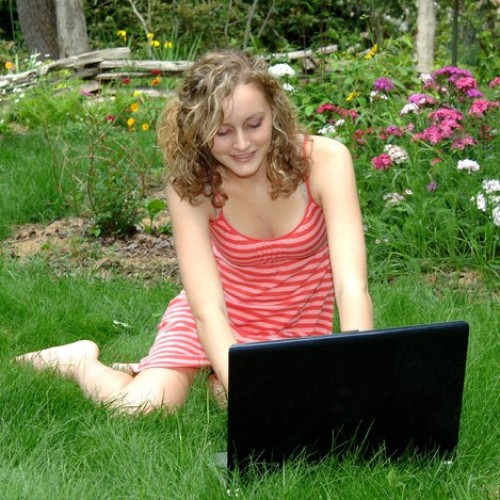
x: 396, y: 388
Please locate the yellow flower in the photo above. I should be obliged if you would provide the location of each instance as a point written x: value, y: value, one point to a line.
x: 372, y: 52
x: 122, y: 34
x: 130, y: 122
x: 155, y: 81
x: 154, y: 43
x: 168, y: 44
x: 352, y: 95
x: 9, y: 65
x: 134, y: 107
x: 136, y: 93
x: 145, y: 127
x: 150, y: 36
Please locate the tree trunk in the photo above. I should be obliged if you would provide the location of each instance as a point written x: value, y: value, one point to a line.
x: 38, y: 24
x: 426, y: 29
x: 71, y: 28
x: 53, y: 28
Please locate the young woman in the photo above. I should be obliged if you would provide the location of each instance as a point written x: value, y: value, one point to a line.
x: 268, y: 235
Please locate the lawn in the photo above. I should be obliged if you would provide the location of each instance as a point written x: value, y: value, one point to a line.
x: 426, y: 159
x: 56, y: 444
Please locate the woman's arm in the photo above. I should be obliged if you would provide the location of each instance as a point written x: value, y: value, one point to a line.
x: 200, y: 279
x: 333, y: 185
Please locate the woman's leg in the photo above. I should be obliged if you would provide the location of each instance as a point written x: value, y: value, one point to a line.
x: 151, y: 388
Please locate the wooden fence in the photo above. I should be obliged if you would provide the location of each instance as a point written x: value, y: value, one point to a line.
x: 109, y: 65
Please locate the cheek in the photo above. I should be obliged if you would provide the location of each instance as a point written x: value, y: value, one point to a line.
x: 217, y: 147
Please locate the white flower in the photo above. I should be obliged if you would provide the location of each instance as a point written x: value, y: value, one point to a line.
x: 326, y: 130
x: 374, y: 94
x: 411, y: 107
x: 281, y: 70
x: 480, y: 201
x: 495, y: 215
x: 393, y: 199
x: 397, y: 154
x: 469, y: 165
x: 491, y: 185
x: 288, y: 87
x: 426, y: 78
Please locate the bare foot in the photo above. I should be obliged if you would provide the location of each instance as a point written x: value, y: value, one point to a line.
x: 130, y: 368
x: 63, y: 358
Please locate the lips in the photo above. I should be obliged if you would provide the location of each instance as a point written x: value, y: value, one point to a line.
x: 243, y: 158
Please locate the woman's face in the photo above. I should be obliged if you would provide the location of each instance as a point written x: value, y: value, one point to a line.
x: 243, y: 140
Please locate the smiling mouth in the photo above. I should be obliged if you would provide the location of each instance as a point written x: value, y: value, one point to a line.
x: 243, y: 158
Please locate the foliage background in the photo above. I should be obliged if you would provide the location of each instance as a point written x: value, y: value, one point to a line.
x: 278, y: 25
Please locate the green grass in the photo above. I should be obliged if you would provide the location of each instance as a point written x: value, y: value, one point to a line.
x: 57, y: 444
x: 28, y: 191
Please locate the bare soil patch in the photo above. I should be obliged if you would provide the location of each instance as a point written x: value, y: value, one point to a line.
x: 67, y: 247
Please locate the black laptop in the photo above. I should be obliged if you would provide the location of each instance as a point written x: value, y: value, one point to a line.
x: 394, y: 390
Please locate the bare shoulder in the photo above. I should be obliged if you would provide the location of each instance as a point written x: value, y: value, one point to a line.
x: 331, y: 165
x: 326, y: 150
x: 202, y: 207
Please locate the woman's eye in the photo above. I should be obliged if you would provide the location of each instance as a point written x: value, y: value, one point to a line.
x: 222, y: 133
x: 255, y: 125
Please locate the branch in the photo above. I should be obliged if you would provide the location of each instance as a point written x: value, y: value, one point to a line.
x: 143, y: 24
x: 266, y: 20
x: 248, y: 27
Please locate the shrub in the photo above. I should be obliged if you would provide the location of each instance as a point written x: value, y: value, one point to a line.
x: 425, y: 154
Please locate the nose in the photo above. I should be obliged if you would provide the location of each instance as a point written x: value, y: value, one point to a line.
x: 241, y: 141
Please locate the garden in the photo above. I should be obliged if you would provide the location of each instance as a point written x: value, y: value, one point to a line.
x: 86, y: 250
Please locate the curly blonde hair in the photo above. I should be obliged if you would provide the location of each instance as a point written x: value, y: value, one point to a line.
x: 190, y: 120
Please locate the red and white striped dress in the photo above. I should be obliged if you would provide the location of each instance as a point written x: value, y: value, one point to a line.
x: 274, y: 289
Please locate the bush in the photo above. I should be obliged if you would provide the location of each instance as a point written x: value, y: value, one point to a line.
x: 425, y: 154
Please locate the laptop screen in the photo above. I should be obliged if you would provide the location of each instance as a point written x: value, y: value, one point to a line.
x: 393, y: 389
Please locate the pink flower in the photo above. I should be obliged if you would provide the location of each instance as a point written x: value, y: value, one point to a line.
x: 155, y: 72
x: 381, y: 162
x: 473, y: 93
x: 480, y: 106
x: 421, y: 99
x: 394, y: 130
x: 461, y: 143
x: 452, y: 73
x: 325, y: 107
x: 110, y: 118
x: 344, y: 113
x: 434, y: 134
x: 125, y: 81
x: 383, y: 84
x: 465, y: 83
x: 436, y: 160
x: 494, y: 82
x: 432, y: 186
x: 446, y: 114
